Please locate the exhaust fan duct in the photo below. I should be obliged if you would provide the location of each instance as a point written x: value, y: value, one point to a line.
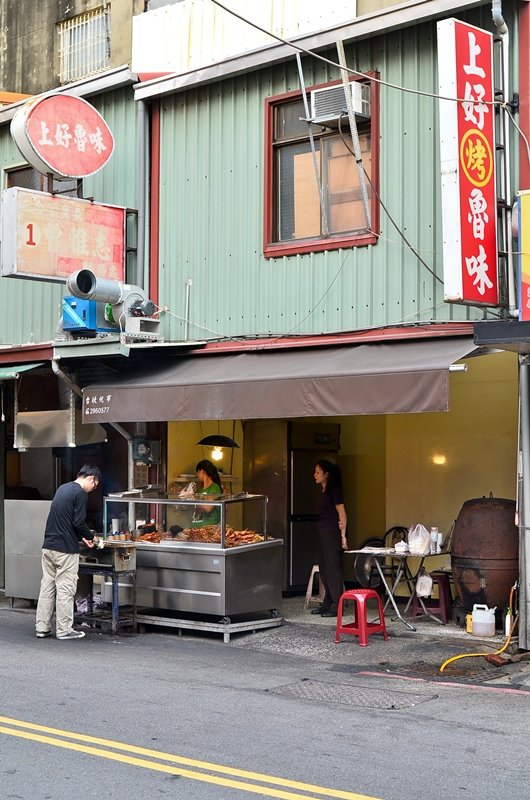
x: 61, y: 427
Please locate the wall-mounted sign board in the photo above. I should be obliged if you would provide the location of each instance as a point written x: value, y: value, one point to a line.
x: 48, y: 237
x: 62, y: 135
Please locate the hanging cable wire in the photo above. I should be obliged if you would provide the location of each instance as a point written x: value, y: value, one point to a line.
x: 312, y: 311
x: 516, y: 126
x: 387, y: 212
x: 501, y: 103
x: 348, y: 69
x: 381, y: 82
x: 166, y: 310
x: 357, y: 154
x: 320, y: 188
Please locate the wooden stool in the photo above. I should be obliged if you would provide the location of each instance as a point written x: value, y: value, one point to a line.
x: 441, y: 606
x: 360, y: 626
x: 309, y: 596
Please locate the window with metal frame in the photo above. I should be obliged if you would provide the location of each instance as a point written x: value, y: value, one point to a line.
x: 84, y: 44
x: 298, y: 217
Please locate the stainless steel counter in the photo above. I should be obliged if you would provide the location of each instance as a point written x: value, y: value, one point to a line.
x: 205, y: 579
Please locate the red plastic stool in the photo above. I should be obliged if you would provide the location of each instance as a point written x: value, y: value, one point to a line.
x: 360, y: 626
x: 441, y: 606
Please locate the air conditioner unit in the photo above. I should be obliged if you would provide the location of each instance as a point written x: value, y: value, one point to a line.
x: 328, y: 104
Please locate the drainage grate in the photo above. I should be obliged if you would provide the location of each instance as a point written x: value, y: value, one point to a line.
x: 476, y: 672
x: 350, y: 695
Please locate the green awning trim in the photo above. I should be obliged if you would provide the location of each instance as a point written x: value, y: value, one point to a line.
x: 7, y: 373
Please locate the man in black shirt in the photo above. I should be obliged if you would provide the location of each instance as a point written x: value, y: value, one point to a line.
x: 66, y: 528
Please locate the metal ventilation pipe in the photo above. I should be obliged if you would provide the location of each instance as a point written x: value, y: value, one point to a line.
x: 86, y: 285
x: 502, y: 30
x: 124, y: 298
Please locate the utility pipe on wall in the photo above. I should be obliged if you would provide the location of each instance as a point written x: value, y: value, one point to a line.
x: 502, y: 30
x: 189, y: 284
x: 524, y: 367
x: 140, y: 279
x: 524, y: 503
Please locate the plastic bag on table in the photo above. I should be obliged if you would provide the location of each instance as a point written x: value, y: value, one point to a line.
x: 419, y: 540
x: 188, y: 490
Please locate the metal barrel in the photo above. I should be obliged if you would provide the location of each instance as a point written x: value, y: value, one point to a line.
x: 485, y: 552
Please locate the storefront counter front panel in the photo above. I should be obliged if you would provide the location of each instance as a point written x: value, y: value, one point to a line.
x: 205, y: 579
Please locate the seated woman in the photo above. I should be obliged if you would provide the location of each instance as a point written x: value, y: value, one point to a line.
x: 211, y: 484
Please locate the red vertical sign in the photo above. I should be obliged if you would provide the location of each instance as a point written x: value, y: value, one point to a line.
x: 476, y: 142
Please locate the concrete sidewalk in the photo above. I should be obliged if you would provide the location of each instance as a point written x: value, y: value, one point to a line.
x: 412, y: 655
x: 409, y: 654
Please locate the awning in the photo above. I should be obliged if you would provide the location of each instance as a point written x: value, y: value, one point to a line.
x: 7, y: 373
x: 389, y: 378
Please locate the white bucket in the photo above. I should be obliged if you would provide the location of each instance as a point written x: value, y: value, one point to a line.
x: 483, y: 619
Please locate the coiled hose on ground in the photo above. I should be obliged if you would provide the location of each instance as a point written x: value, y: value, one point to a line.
x: 514, y: 617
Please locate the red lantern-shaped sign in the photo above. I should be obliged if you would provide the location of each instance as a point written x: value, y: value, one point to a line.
x: 62, y: 135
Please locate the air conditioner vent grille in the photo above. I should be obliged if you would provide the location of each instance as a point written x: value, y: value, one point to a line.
x: 328, y: 104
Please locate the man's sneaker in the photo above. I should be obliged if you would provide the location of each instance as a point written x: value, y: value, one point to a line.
x: 71, y: 635
x: 43, y: 634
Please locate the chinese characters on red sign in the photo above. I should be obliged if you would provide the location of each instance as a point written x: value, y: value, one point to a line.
x: 50, y: 237
x: 63, y: 135
x: 468, y: 165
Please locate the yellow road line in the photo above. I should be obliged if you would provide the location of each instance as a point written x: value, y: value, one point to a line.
x: 141, y: 762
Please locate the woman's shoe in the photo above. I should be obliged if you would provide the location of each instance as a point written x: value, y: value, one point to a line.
x: 317, y: 610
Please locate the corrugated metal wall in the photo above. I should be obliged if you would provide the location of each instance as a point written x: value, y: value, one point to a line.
x: 116, y: 182
x: 212, y: 207
x: 30, y: 310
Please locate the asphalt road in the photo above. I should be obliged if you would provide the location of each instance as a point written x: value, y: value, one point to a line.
x: 190, y: 718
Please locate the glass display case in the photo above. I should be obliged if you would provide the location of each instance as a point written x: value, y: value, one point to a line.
x: 224, y: 520
x: 203, y: 554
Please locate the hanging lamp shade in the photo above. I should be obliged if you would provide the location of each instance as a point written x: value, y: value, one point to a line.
x: 216, y: 440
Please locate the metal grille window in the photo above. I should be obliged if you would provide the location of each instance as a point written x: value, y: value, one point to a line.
x: 29, y: 178
x: 297, y: 219
x: 84, y: 45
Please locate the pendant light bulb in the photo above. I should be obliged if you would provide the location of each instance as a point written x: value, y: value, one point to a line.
x: 217, y: 454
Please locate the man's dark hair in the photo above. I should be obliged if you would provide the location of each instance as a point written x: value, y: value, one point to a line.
x: 86, y: 471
